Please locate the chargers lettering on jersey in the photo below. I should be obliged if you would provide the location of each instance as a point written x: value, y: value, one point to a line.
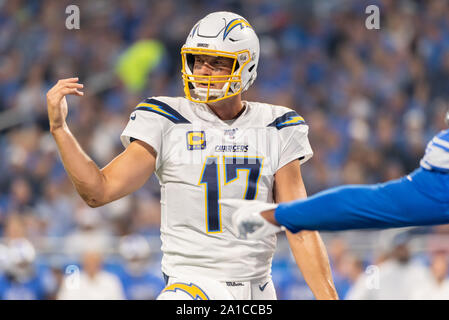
x: 231, y: 148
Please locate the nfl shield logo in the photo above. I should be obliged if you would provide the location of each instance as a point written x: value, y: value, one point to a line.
x: 230, y: 133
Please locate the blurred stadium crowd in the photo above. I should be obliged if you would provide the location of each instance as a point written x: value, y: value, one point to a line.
x: 372, y: 99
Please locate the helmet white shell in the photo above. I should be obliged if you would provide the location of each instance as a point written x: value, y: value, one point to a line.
x: 223, y: 34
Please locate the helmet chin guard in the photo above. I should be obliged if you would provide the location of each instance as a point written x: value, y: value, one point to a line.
x: 220, y: 34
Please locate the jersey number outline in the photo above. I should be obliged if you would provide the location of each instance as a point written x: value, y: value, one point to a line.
x: 210, y: 178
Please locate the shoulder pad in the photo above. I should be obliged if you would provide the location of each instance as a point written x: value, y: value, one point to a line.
x: 162, y: 109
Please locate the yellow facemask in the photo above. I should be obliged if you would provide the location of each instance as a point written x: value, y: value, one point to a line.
x: 233, y: 81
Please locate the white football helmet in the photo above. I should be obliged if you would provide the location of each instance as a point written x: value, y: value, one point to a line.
x: 447, y: 118
x: 136, y: 252
x: 4, y: 259
x: 21, y: 258
x: 134, y: 247
x: 223, y: 34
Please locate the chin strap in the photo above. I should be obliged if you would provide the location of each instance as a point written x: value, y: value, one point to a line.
x: 213, y: 93
x: 201, y: 93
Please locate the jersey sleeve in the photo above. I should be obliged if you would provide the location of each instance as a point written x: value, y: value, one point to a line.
x: 144, y: 126
x: 294, y: 141
x: 148, y: 121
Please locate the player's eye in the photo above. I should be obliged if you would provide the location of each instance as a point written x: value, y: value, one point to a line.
x: 198, y: 63
x: 198, y: 59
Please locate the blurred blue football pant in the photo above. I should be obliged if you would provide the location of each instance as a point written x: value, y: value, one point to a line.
x: 421, y: 198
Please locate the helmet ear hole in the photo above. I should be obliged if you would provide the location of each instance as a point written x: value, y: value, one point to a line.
x: 251, y: 68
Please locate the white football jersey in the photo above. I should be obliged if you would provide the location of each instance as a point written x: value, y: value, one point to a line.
x: 201, y: 159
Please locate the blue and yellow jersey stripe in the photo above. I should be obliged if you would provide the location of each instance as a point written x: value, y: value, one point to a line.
x: 287, y: 120
x: 163, y: 109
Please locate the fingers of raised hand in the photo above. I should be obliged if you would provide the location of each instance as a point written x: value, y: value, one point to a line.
x: 64, y: 87
x: 71, y: 90
x: 68, y: 80
x: 71, y: 83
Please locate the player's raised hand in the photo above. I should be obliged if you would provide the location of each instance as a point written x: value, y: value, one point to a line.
x: 247, y: 221
x: 57, y: 103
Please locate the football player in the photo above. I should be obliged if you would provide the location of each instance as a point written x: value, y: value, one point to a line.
x: 421, y: 198
x: 23, y: 277
x: 203, y: 147
x: 135, y: 274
